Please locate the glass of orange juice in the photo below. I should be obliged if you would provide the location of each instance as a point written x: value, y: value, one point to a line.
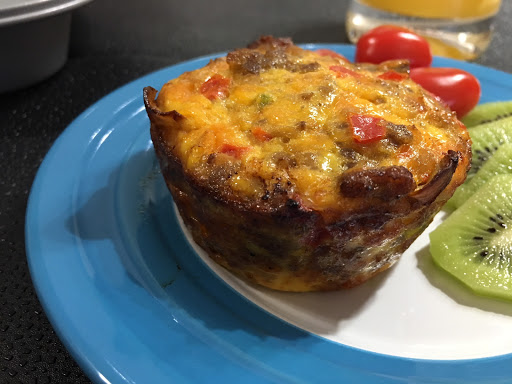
x: 460, y: 29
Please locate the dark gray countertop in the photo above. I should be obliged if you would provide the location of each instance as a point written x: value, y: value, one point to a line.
x: 113, y: 42
x: 183, y: 30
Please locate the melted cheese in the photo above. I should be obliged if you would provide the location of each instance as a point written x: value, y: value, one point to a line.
x: 303, y: 125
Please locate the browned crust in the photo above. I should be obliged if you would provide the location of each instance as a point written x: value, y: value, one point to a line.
x: 149, y: 94
x: 440, y: 181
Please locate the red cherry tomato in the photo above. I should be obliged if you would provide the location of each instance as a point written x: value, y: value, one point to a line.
x: 458, y: 89
x: 389, y: 42
x: 367, y: 129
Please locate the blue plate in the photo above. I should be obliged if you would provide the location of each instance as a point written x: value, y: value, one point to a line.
x: 129, y: 296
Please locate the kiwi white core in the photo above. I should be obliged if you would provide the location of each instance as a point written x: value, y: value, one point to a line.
x: 503, y: 240
x: 413, y: 310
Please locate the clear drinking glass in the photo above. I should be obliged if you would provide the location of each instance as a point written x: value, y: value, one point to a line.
x: 460, y: 29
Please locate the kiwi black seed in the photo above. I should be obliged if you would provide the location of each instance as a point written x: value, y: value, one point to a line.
x: 474, y: 244
x: 488, y: 112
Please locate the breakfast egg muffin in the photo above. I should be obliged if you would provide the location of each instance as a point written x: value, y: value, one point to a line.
x: 300, y: 171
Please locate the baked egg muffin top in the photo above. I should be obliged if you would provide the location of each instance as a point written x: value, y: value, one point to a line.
x: 274, y: 122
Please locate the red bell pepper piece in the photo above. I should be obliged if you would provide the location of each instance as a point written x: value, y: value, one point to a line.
x: 233, y: 150
x: 392, y: 75
x: 367, y: 129
x: 216, y: 87
x: 260, y: 134
x: 341, y: 71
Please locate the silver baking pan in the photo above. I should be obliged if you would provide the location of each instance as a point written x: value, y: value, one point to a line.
x: 34, y: 40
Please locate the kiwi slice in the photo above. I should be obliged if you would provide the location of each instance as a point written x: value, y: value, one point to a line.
x: 487, y: 138
x: 474, y: 244
x: 499, y: 163
x: 487, y: 112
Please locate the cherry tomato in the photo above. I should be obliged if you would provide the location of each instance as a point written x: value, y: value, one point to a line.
x: 216, y: 87
x: 367, y: 129
x: 389, y: 42
x: 458, y: 89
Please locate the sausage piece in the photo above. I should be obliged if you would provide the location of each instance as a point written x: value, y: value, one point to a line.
x: 385, y: 183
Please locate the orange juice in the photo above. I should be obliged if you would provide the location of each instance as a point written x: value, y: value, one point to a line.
x: 455, y: 28
x: 441, y: 9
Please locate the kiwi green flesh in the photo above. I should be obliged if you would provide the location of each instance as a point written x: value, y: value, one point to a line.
x: 499, y: 163
x: 474, y: 244
x: 487, y: 112
x: 487, y: 138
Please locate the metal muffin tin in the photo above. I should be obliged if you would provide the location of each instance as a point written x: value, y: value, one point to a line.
x: 34, y: 40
